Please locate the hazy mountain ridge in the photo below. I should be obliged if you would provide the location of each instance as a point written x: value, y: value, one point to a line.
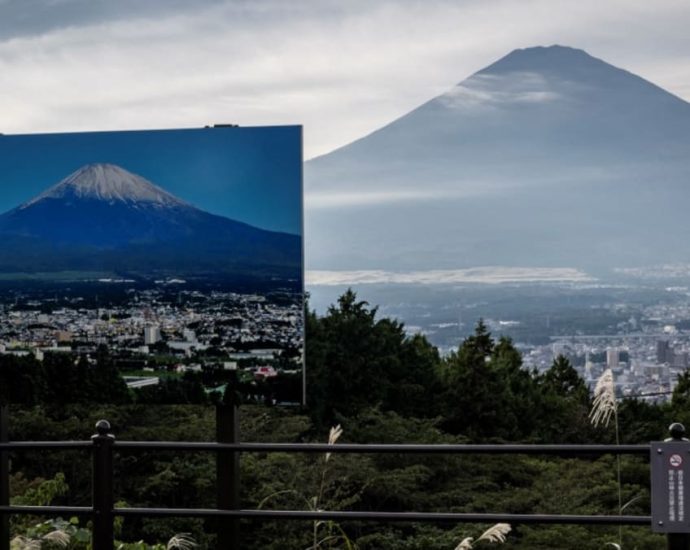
x: 548, y: 157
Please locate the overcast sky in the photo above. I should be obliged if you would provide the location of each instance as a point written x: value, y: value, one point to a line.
x: 341, y: 68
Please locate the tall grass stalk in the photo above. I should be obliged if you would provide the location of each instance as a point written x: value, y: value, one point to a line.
x: 334, y: 532
x: 605, y: 407
x: 333, y: 436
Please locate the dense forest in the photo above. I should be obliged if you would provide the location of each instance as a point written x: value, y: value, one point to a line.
x: 368, y: 382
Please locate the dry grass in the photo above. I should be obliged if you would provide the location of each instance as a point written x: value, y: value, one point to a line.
x: 604, y: 405
x: 59, y: 538
x: 497, y: 534
x: 181, y: 541
x: 333, y: 436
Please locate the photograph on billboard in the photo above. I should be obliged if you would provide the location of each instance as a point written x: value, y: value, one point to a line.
x: 159, y: 266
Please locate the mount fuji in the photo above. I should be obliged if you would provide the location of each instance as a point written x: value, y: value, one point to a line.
x: 103, y: 217
x: 548, y: 157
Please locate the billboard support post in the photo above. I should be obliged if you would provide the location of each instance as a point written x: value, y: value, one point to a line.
x: 4, y: 478
x: 103, y: 532
x: 228, y: 473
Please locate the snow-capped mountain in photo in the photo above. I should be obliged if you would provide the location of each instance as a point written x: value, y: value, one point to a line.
x: 102, y: 217
x: 108, y: 182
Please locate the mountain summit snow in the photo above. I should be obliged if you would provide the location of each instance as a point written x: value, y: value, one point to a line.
x: 548, y: 157
x: 108, y: 182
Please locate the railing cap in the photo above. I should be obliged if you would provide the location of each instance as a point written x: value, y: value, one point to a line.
x: 103, y: 427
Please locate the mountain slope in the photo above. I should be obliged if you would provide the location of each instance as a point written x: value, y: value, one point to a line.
x: 548, y: 157
x: 103, y: 217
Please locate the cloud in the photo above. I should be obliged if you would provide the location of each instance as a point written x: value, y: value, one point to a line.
x: 342, y: 69
x: 318, y: 200
x: 487, y: 90
x: 23, y: 18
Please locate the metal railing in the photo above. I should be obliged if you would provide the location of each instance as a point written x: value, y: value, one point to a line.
x: 228, y: 449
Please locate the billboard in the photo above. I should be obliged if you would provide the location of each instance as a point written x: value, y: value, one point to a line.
x: 151, y: 266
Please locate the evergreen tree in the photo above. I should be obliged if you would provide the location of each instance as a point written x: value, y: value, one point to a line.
x: 566, y: 405
x: 563, y: 380
x: 488, y: 394
x: 355, y: 361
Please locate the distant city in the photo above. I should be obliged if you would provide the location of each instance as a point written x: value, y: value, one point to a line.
x: 641, y: 331
x: 645, y: 363
x: 164, y: 330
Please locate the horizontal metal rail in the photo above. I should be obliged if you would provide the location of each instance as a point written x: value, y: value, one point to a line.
x: 47, y: 510
x: 386, y: 516
x: 39, y: 445
x: 459, y: 517
x: 558, y: 450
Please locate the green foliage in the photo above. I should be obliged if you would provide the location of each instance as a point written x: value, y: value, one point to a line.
x: 60, y: 380
x: 43, y: 493
x: 382, y: 386
x: 487, y: 393
x: 59, y: 533
x: 562, y: 379
x: 355, y: 361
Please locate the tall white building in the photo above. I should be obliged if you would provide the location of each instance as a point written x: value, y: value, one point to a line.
x: 612, y: 357
x: 152, y: 334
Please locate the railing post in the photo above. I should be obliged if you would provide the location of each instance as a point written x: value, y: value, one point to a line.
x: 103, y: 535
x: 4, y: 478
x: 228, y: 474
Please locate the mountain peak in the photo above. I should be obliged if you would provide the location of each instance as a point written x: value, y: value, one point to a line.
x: 547, y: 59
x: 555, y: 50
x: 110, y: 183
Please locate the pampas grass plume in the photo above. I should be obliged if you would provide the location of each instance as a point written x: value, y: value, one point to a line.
x: 497, y: 533
x: 604, y: 406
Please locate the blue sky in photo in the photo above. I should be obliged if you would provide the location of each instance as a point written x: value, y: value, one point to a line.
x: 251, y: 174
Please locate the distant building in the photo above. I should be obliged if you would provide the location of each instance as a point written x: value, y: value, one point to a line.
x: 64, y: 336
x: 141, y: 381
x: 656, y: 372
x: 680, y: 360
x: 664, y: 352
x: 612, y: 358
x: 265, y: 372
x: 588, y: 367
x: 152, y: 334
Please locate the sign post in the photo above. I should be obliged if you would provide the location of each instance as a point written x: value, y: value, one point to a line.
x: 670, y: 469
